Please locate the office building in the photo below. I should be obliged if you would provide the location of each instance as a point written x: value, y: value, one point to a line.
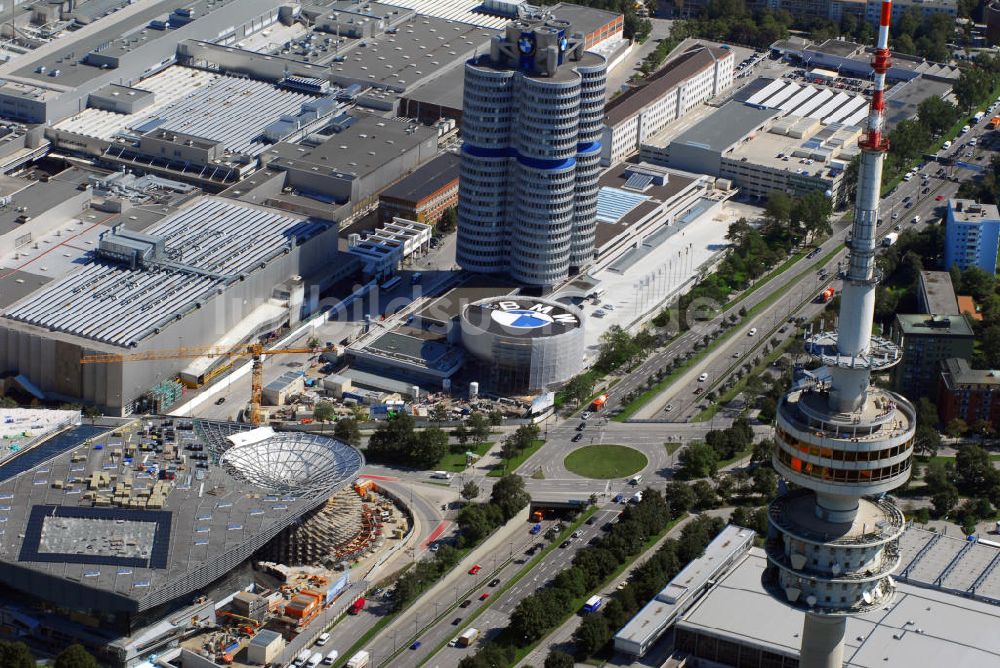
x: 926, y: 341
x: 968, y: 394
x: 532, y: 126
x: 694, y: 76
x: 899, y: 7
x: 972, y: 235
x: 936, y: 293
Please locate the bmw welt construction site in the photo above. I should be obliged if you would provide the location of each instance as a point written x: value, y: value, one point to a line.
x: 169, y: 535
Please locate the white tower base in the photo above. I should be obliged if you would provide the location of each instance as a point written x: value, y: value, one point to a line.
x: 822, y: 642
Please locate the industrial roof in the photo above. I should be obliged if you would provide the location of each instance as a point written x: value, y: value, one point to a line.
x: 360, y: 149
x: 231, y: 110
x: 929, y: 324
x: 651, y: 621
x: 729, y: 125
x: 426, y: 180
x: 464, y: 11
x: 37, y: 197
x: 675, y: 72
x: 60, y: 545
x: 819, y: 102
x: 937, y: 292
x: 206, y: 247
x: 920, y: 627
x: 584, y: 19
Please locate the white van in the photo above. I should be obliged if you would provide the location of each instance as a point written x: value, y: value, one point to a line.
x: 331, y: 657
x: 947, y: 144
x: 302, y: 658
x: 916, y: 219
x: 323, y: 639
x: 314, y: 660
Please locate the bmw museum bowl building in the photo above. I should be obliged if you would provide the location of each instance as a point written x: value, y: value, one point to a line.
x: 524, y: 344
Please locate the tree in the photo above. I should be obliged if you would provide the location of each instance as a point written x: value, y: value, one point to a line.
x: 971, y: 86
x: 592, y: 634
x: 975, y: 471
x: 479, y: 428
x: 578, y: 389
x: 74, y: 656
x: 324, y: 411
x: 937, y: 114
x: 778, y: 209
x: 496, y: 418
x: 449, y: 221
x: 765, y: 481
x: 509, y: 495
x: 680, y: 497
x: 347, y: 431
x: 762, y: 452
x: 956, y: 427
x: 697, y: 460
x: 439, y: 413
x: 944, y: 501
x: 558, y: 659
x: 705, y: 496
x: 428, y: 447
x: 7, y: 402
x: 470, y: 491
x: 461, y: 433
x: 312, y: 342
x: 15, y: 655
x: 978, y: 282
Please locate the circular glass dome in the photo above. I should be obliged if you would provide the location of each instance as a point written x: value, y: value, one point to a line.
x: 294, y: 463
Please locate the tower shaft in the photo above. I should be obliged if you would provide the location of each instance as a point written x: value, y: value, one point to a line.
x: 844, y: 442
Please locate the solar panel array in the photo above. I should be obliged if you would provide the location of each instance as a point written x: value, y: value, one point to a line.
x: 116, y: 305
x: 217, y: 107
x: 613, y: 204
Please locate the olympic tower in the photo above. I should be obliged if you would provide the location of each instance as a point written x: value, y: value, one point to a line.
x: 843, y: 441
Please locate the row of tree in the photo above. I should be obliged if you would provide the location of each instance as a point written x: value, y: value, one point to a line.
x: 397, y: 442
x: 18, y: 655
x: 475, y: 522
x: 545, y: 609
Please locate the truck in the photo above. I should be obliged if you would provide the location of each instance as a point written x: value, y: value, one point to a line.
x: 441, y: 475
x: 357, y: 606
x: 637, y: 497
x: 994, y: 123
x: 599, y: 403
x: 468, y: 637
x: 980, y: 115
x: 593, y: 604
x: 827, y: 295
x: 359, y: 660
x: 890, y: 239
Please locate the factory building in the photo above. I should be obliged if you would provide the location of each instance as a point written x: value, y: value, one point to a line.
x: 190, y: 279
x: 854, y: 60
x: 523, y: 344
x: 48, y: 85
x: 972, y: 235
x: 353, y: 165
x: 531, y: 154
x: 701, y: 72
x: 759, y: 150
x: 425, y: 194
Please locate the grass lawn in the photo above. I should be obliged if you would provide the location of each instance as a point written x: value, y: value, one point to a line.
x: 672, y: 447
x: 605, y: 461
x: 455, y: 461
x: 511, y: 466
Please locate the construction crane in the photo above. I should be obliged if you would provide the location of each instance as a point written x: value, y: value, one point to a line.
x: 255, y: 351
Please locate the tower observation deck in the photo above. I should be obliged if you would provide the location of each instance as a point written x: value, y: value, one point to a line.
x: 844, y: 442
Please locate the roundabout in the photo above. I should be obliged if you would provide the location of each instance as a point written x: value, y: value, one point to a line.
x: 605, y: 461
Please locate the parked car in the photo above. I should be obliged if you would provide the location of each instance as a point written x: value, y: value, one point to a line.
x: 475, y: 569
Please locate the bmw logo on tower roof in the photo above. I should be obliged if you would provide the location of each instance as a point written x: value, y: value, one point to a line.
x: 523, y: 316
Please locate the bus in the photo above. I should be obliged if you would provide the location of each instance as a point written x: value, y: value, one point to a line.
x: 593, y: 604
x: 391, y: 283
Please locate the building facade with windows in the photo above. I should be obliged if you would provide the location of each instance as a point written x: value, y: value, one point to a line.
x: 694, y: 76
x: 972, y: 235
x: 926, y: 341
x: 968, y: 394
x: 532, y: 121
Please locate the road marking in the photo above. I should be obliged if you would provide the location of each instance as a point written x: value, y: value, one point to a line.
x: 371, y: 476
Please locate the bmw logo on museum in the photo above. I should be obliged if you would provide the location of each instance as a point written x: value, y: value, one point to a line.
x: 524, y: 344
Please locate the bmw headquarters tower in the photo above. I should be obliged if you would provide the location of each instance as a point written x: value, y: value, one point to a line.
x: 531, y: 123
